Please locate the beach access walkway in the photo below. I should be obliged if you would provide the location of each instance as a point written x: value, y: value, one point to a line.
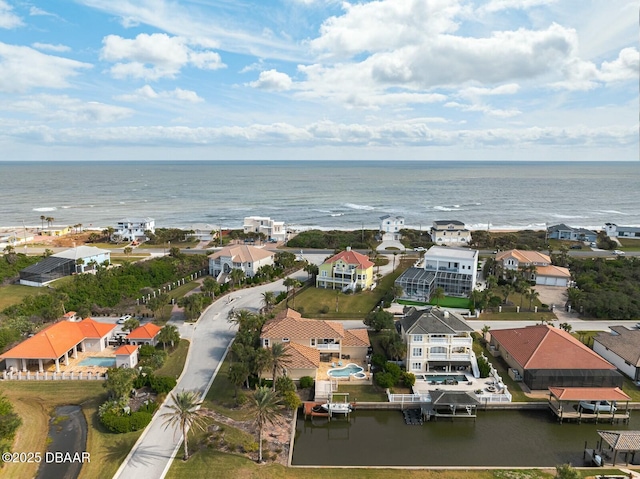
x: 210, y: 337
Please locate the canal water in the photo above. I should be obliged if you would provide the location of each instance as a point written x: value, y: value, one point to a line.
x: 496, y: 438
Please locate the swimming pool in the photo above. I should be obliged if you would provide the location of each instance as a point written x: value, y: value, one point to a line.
x: 98, y: 361
x: 348, y: 370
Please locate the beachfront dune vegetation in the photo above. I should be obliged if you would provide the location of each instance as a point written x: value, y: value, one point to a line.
x: 163, y: 236
x: 335, y: 239
x: 605, y: 288
x: 524, y: 239
x: 12, y: 262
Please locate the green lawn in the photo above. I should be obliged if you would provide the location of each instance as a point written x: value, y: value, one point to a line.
x: 524, y: 316
x: 175, y: 362
x: 630, y: 244
x: 363, y: 393
x: 11, y: 294
x: 220, y: 397
x: 446, y: 302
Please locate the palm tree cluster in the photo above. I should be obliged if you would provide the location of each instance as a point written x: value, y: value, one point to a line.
x: 498, y: 291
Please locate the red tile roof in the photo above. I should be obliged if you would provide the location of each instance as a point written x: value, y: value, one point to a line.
x: 553, y: 271
x: 524, y: 256
x: 55, y: 340
x: 352, y: 257
x: 589, y: 394
x: 546, y: 347
x: 302, y: 357
x: 126, y: 350
x: 146, y: 331
x: 356, y: 337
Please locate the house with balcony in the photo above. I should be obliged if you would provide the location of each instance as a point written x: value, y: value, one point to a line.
x: 453, y: 269
x: 272, y: 230
x: 310, y: 341
x: 346, y: 270
x: 450, y: 232
x: 133, y: 229
x: 390, y: 227
x: 244, y: 257
x: 437, y: 341
x: 536, y: 267
x: 568, y: 233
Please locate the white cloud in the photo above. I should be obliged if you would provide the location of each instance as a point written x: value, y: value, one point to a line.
x: 50, y: 47
x: 486, y: 109
x: 154, y: 56
x: 148, y: 93
x: 69, y: 110
x: 272, y: 80
x: 498, y: 5
x: 39, y: 12
x: 625, y: 67
x: 508, y: 89
x: 34, y: 69
x: 8, y: 19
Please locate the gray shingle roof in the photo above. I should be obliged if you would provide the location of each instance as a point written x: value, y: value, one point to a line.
x: 626, y: 343
x: 433, y: 321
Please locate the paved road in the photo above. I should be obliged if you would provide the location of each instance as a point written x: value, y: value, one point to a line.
x: 151, y: 456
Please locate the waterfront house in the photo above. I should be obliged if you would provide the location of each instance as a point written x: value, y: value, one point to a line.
x: 65, y: 263
x: 450, y: 232
x: 133, y: 229
x: 568, y: 233
x: 544, y: 356
x: 437, y: 340
x: 55, y: 231
x: 621, y: 347
x: 536, y: 267
x: 346, y: 270
x: 615, y: 231
x: 247, y: 258
x: 452, y: 269
x: 390, y: 227
x: 310, y: 341
x: 273, y: 230
x: 127, y: 356
x: 57, y: 343
x: 145, y: 334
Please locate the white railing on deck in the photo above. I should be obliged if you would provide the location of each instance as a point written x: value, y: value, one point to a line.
x: 408, y: 398
x: 328, y: 347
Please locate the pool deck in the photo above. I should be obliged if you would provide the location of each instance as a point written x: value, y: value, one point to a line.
x: 324, y: 368
x: 486, y: 385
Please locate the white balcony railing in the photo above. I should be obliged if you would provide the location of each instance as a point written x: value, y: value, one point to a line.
x: 465, y: 341
x: 328, y: 347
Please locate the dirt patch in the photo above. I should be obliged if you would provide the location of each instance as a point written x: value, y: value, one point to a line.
x: 276, y: 438
x: 67, y: 241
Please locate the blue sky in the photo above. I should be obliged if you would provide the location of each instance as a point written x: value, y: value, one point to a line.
x: 319, y: 79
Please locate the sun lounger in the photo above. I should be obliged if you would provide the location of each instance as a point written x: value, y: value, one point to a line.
x: 339, y: 363
x: 333, y: 365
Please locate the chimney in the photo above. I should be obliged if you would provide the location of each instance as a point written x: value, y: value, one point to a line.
x: 445, y: 314
x: 348, y: 248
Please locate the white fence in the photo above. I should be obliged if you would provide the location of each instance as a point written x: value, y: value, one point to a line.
x: 46, y: 376
x: 408, y: 398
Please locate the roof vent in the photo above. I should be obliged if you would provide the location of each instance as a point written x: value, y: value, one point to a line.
x: 445, y: 314
x: 348, y: 248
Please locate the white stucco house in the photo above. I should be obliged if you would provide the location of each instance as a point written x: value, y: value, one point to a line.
x: 621, y: 347
x: 390, y: 227
x: 127, y: 356
x: 615, y: 231
x: 245, y: 257
x: 450, y: 232
x: 133, y: 229
x: 273, y: 230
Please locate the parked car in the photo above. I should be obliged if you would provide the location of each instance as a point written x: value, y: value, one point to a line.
x: 618, y: 252
x: 122, y: 319
x: 576, y: 246
x: 597, y: 406
x: 419, y: 249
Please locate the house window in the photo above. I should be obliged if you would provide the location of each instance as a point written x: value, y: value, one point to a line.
x: 312, y: 342
x: 265, y: 342
x: 416, y: 352
x: 324, y: 273
x: 285, y: 340
x: 416, y: 366
x: 417, y: 338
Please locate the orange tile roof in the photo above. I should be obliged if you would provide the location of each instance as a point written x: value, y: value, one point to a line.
x: 292, y: 325
x: 95, y: 329
x: 546, y: 347
x: 55, y: 340
x: 302, y: 357
x: 356, y: 337
x: 554, y: 271
x: 126, y: 350
x: 242, y: 253
x: 146, y: 331
x: 352, y: 257
x: 524, y: 256
x: 589, y: 394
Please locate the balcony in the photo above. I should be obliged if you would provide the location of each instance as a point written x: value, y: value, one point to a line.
x: 328, y: 347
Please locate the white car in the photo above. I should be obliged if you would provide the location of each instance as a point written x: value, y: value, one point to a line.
x: 618, y: 252
x: 122, y: 319
x: 597, y: 406
x: 420, y: 249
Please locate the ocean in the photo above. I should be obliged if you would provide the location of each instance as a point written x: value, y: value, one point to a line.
x: 325, y: 195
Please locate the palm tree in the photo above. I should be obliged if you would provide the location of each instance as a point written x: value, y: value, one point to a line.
x: 184, y: 414
x: 49, y: 220
x: 238, y: 374
x: 169, y: 334
x: 438, y: 295
x: 278, y: 360
x: 268, y: 300
x: 288, y: 283
x: 533, y: 296
x: 42, y: 218
x: 507, y: 290
x: 236, y: 275
x: 485, y: 330
x: 267, y: 406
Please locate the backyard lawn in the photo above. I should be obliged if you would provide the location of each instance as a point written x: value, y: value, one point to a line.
x: 175, y: 362
x: 14, y: 294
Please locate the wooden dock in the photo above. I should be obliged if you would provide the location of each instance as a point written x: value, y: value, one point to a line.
x: 579, y: 416
x: 309, y: 412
